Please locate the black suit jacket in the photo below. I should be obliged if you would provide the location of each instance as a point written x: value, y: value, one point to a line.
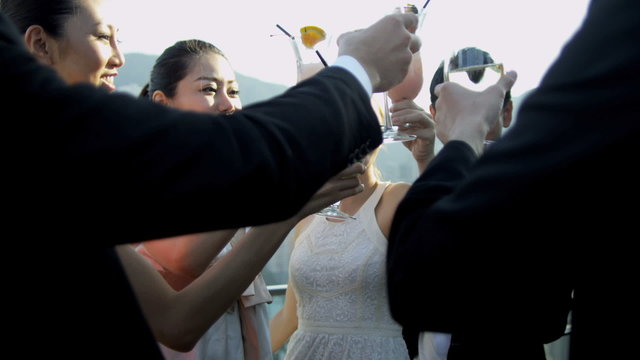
x: 502, y: 243
x: 84, y: 171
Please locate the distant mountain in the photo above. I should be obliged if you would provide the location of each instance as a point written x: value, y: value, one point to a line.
x: 135, y: 74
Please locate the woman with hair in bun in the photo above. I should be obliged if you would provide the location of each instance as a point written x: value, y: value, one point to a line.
x: 195, y: 75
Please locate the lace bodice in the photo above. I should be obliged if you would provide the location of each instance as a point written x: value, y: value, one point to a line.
x: 337, y: 271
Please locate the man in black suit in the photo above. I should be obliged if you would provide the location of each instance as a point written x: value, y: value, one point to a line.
x: 559, y: 180
x: 85, y: 171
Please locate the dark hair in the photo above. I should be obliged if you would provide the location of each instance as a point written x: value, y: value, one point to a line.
x: 473, y: 56
x: 173, y: 64
x: 50, y: 14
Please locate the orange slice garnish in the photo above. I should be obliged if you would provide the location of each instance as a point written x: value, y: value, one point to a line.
x: 311, y: 35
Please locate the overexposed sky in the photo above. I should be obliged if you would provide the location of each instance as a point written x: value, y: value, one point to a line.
x: 525, y: 35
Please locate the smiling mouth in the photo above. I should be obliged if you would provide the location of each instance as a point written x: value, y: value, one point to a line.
x: 108, y: 81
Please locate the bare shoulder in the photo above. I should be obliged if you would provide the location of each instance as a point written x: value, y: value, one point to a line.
x: 300, y: 228
x: 396, y: 191
x: 386, y: 209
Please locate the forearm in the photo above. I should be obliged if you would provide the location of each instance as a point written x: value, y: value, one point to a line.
x: 179, y: 320
x: 199, y: 305
x: 196, y: 259
x: 423, y: 163
x: 283, y: 155
x: 281, y: 327
x: 189, y: 255
x: 285, y: 322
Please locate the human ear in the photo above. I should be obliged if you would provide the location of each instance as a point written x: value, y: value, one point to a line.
x: 159, y: 97
x: 40, y: 44
x: 507, y: 114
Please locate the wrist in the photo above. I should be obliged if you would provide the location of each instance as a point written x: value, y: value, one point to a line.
x: 374, y: 77
x: 357, y: 69
x: 292, y: 221
x: 473, y: 137
x: 424, y: 162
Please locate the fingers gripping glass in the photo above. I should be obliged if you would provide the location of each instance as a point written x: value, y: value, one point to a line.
x: 472, y: 69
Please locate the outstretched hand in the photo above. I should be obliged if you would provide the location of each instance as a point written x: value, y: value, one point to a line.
x: 344, y: 184
x: 466, y: 115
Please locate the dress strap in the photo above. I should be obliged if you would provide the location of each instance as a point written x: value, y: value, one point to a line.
x: 368, y: 219
x: 369, y: 206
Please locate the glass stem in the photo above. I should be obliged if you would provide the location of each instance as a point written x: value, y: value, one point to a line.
x: 388, y: 125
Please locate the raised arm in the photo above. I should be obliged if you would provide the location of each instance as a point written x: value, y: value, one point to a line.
x: 100, y: 152
x: 179, y: 318
x: 462, y: 120
x: 471, y: 226
x: 167, y: 166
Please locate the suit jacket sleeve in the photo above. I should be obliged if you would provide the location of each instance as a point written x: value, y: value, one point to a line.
x: 494, y: 242
x: 139, y: 171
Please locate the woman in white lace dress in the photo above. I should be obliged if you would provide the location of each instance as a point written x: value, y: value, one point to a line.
x: 336, y: 305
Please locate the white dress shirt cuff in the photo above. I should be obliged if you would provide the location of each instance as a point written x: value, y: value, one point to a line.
x: 352, y: 65
x: 433, y: 345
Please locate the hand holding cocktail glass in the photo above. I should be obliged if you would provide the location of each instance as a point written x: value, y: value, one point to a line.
x: 474, y: 69
x: 413, y: 119
x: 409, y: 88
x: 467, y: 115
x: 381, y: 49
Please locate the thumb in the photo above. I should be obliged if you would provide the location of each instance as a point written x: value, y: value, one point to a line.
x: 437, y: 89
x: 506, y: 82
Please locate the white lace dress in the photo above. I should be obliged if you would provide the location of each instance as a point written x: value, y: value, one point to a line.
x: 337, y: 271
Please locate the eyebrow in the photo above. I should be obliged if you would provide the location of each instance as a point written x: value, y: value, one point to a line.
x: 110, y: 26
x: 213, y: 79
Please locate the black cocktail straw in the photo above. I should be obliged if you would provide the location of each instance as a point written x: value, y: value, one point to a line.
x: 425, y: 4
x: 324, y: 62
x: 284, y: 31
